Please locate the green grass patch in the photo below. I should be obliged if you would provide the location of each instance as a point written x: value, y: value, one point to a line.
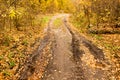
x: 111, y: 47
x: 11, y: 64
x: 11, y: 55
x: 45, y: 20
x: 1, y: 57
x: 98, y: 37
x: 57, y: 22
x: 41, y: 21
x: 25, y: 42
x: 6, y: 40
x: 79, y: 23
x: 6, y: 73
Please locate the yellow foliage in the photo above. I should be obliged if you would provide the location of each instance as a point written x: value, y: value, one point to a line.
x: 85, y: 2
x: 12, y: 13
x: 55, y: 4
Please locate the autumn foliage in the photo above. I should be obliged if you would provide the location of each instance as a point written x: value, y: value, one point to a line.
x: 19, y: 13
x: 97, y: 12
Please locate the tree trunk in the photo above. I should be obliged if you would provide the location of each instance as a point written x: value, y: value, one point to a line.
x: 87, y: 16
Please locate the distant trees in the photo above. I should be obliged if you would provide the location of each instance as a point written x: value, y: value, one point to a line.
x: 107, y: 11
x: 99, y: 11
x: 17, y: 13
x: 14, y: 12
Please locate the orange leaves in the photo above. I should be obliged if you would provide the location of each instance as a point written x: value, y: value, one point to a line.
x: 18, y: 45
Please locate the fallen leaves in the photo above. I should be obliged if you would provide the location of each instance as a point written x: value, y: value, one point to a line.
x: 16, y: 46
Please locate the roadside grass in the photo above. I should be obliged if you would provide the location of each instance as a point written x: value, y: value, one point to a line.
x: 16, y: 46
x: 41, y: 21
x: 110, y: 43
x: 57, y: 23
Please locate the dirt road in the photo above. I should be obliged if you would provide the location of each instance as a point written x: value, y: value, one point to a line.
x: 73, y: 57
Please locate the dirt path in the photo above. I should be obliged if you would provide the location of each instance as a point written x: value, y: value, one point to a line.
x: 61, y: 65
x: 73, y: 57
